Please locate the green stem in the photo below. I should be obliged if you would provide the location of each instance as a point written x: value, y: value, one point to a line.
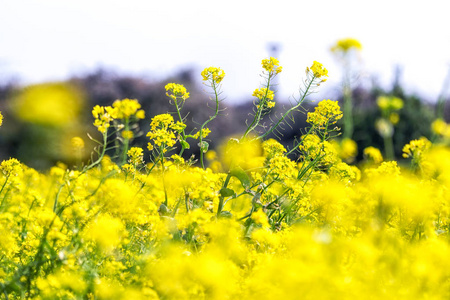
x: 183, y: 134
x: 125, y: 143
x: 258, y: 114
x: 163, y: 177
x: 4, y: 184
x: 301, y: 141
x: 225, y: 184
x: 288, y: 112
x: 389, y: 147
x: 216, y: 113
x: 348, y: 112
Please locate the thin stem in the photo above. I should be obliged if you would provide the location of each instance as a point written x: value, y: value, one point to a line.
x: 163, y: 177
x: 289, y: 111
x: 257, y: 117
x: 126, y: 142
x: 183, y: 134
x: 348, y: 112
x: 225, y: 184
x: 389, y: 147
x: 216, y: 113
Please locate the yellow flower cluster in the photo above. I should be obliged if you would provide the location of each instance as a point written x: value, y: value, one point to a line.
x: 347, y: 44
x: 327, y: 112
x: 205, y: 132
x: 389, y: 103
x: 50, y: 104
x: 77, y: 143
x: 416, y: 148
x: 162, y: 132
x: 135, y: 155
x: 326, y: 229
x: 213, y: 74
x: 175, y: 91
x: 263, y: 93
x: 271, y: 65
x: 10, y: 167
x: 103, y: 117
x: 266, y: 95
x: 318, y: 70
x: 347, y: 149
x: 441, y: 128
x: 1, y: 119
x: 373, y: 154
x: 126, y: 108
x: 314, y: 148
x: 282, y: 167
x: 273, y: 148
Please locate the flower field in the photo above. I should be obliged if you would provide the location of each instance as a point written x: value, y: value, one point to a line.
x: 252, y: 219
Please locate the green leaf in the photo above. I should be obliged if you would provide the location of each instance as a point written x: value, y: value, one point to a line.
x: 185, y: 144
x: 226, y: 214
x: 240, y: 174
x: 203, y: 146
x: 226, y: 192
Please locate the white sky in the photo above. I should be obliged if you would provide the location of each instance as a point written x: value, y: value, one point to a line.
x: 51, y: 39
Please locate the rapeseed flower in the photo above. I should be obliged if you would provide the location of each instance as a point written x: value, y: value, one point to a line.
x: 126, y: 108
x: 318, y: 70
x: 326, y: 113
x: 175, y: 91
x: 345, y: 45
x: 213, y: 74
x: 373, y: 154
x: 271, y: 65
x: 103, y: 117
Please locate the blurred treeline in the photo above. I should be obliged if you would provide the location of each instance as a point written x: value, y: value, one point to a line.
x: 41, y: 120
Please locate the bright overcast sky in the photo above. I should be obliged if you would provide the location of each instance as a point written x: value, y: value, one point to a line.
x: 52, y: 39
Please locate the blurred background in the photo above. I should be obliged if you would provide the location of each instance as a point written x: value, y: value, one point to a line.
x: 60, y: 58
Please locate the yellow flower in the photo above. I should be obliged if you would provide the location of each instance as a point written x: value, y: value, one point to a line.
x: 440, y: 127
x: 11, y: 167
x: 263, y: 93
x: 373, y: 154
x: 282, y: 167
x: 77, y: 143
x: 49, y: 104
x: 178, y: 126
x: 345, y: 45
x: 126, y: 108
x: 259, y: 217
x: 127, y: 134
x: 178, y: 160
x: 162, y: 133
x: 205, y: 132
x: 135, y: 155
x: 318, y: 70
x: 389, y: 103
x: 1, y: 119
x: 394, y: 118
x: 327, y: 112
x: 416, y: 148
x: 108, y: 232
x: 103, y: 117
x: 344, y: 172
x: 273, y: 148
x: 211, y: 155
x: 162, y: 120
x: 214, y: 74
x: 313, y: 148
x: 174, y: 91
x: 271, y: 65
